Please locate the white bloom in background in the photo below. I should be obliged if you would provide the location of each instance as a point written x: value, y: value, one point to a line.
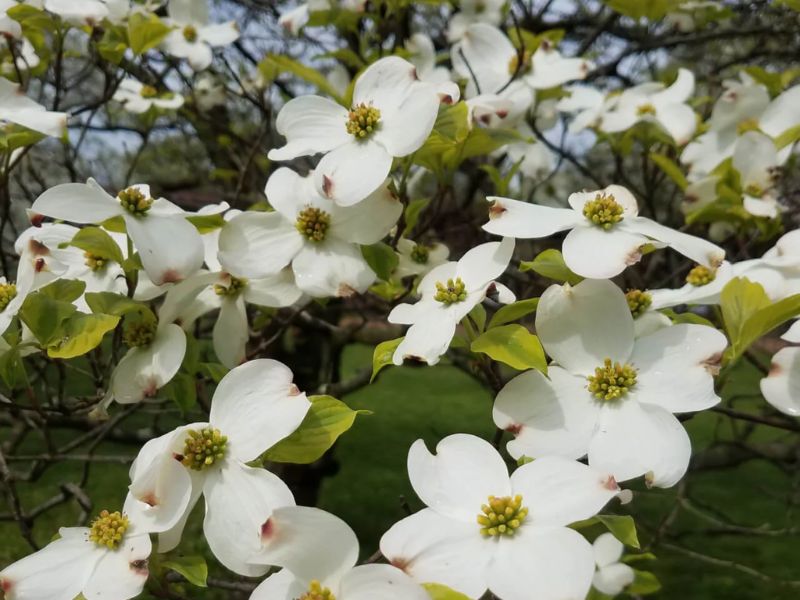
x: 107, y: 560
x: 423, y: 57
x: 418, y: 259
x: 485, y: 530
x: 607, y: 394
x: 79, y: 12
x: 392, y: 114
x: 138, y: 98
x: 317, y: 237
x: 169, y: 246
x: 781, y: 388
x: 209, y: 93
x: 471, y: 12
x: 652, y: 102
x: 24, y: 57
x: 448, y: 293
x: 611, y: 576
x: 588, y: 105
x: 756, y: 159
x: 16, y: 107
x: 318, y: 553
x: 254, y: 407
x: 606, y: 236
x: 194, y: 37
x: 12, y: 295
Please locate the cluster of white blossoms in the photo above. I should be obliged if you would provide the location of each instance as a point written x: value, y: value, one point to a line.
x: 616, y: 372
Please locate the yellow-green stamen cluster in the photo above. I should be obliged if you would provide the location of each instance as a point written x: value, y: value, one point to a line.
x: 139, y: 333
x: 420, y: 254
x: 700, y: 276
x: 612, y: 380
x: 638, y: 302
x: 645, y: 109
x: 313, y: 223
x: 108, y: 529
x: 134, y: 201
x: 8, y: 291
x: 317, y: 592
x: 502, y: 516
x: 451, y: 292
x: 513, y: 64
x: 754, y: 190
x: 203, y: 447
x: 95, y: 262
x: 362, y: 120
x: 233, y: 289
x: 148, y: 91
x: 190, y: 33
x: 747, y: 125
x: 604, y: 211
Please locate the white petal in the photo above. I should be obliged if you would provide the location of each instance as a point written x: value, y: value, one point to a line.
x: 274, y: 291
x: 679, y: 120
x: 380, y: 582
x: 546, y: 418
x: 256, y: 405
x: 594, y: 252
x: 433, y: 548
x: 352, y: 171
x: 615, y: 121
x: 755, y: 156
x: 332, y: 268
x: 405, y: 128
x: 219, y: 34
x: 783, y: 113
x: 369, y: 221
x: 385, y: 83
x: 311, y: 124
x: 231, y: 332
x: 693, y: 294
x: 78, y: 203
x: 427, y: 339
x: 485, y: 263
x: 637, y: 439
x: 280, y: 586
x: 676, y: 367
x: 547, y: 564
x: 170, y: 246
x: 121, y: 574
x: 698, y: 249
x: 459, y: 478
x: 143, y: 371
x: 680, y: 91
x: 607, y: 549
x: 793, y: 333
x: 781, y: 388
x: 487, y: 54
x: 239, y: 500
x: 559, y: 491
x: 583, y: 325
x: 525, y: 220
x: 258, y: 244
x: 551, y: 69
x: 169, y: 540
x: 288, y: 192
x: 612, y: 579
x: 761, y: 207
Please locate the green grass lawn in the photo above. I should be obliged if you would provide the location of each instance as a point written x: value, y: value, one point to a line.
x: 409, y: 403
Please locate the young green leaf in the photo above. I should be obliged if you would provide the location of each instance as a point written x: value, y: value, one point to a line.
x: 513, y: 345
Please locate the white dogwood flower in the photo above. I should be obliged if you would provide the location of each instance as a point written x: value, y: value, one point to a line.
x: 485, y: 530
x: 609, y: 395
x: 419, y: 259
x: 471, y: 12
x: 611, y: 576
x: 319, y: 238
x: 588, y: 105
x: 423, y: 57
x: 254, y: 407
x: 194, y: 37
x: 138, y: 98
x: 448, y: 293
x: 756, y: 159
x: 169, y: 246
x: 16, y: 107
x: 391, y: 115
x: 318, y: 553
x: 106, y: 560
x: 606, y: 236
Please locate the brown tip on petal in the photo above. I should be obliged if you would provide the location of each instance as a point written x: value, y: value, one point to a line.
x: 496, y: 210
x: 149, y: 498
x: 415, y: 359
x: 484, y: 119
x: 345, y: 291
x: 413, y: 73
x: 327, y: 186
x: 514, y: 429
x: 716, y: 260
x: 712, y: 363
x: 294, y: 390
x: 400, y: 563
x: 140, y: 567
x: 178, y: 457
x: 611, y: 484
x: 150, y: 390
x: 774, y: 370
x: 39, y: 265
x: 649, y: 477
x: 171, y: 276
x: 37, y: 220
x: 37, y: 248
x: 691, y: 199
x: 446, y: 99
x: 5, y: 585
x: 633, y: 257
x: 502, y: 113
x: 267, y: 529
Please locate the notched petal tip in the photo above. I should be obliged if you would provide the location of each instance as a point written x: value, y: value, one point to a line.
x: 37, y: 248
x: 171, y: 276
x: 5, y: 585
x: 400, y: 563
x: 496, y: 209
x: 713, y: 363
x: 149, y: 498
x: 327, y: 186
x: 345, y: 291
x: 774, y: 370
x: 267, y: 530
x: 36, y: 219
x: 634, y: 256
x: 294, y: 390
x: 611, y: 484
x: 140, y: 567
x: 514, y: 429
x: 40, y: 265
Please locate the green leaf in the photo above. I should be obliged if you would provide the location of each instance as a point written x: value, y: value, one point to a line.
x: 64, y: 290
x: 382, y: 356
x: 193, y: 568
x: 44, y: 316
x: 275, y: 64
x: 12, y: 369
x: 437, y: 591
x: 326, y: 420
x: 381, y: 258
x: 514, y: 311
x: 97, y: 241
x: 790, y: 136
x: 116, y: 304
x: 632, y: 558
x: 513, y: 345
x: 146, y: 31
x: 413, y: 211
x: 550, y: 264
x: 215, y: 371
x: 644, y: 583
x: 206, y: 223
x: 637, y: 9
x: 671, y: 168
x: 686, y: 317
x: 114, y: 43
x: 182, y: 391
x: 80, y: 334
x: 35, y: 18
x: 16, y: 136
x: 478, y: 315
x: 623, y: 527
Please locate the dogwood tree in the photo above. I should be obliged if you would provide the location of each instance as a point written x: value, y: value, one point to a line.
x: 586, y: 210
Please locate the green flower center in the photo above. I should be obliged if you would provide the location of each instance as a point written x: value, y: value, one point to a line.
x: 700, y: 276
x: 645, y: 109
x: 233, y: 289
x: 420, y: 254
x: 604, y: 211
x: 139, y: 333
x: 190, y: 33
x: 362, y: 120
x: 313, y: 223
x: 95, y: 262
x: 513, y: 64
x: 202, y: 448
x: 612, y: 380
x: 108, y: 529
x: 638, y: 302
x: 451, y: 292
x: 317, y: 592
x: 8, y: 291
x: 747, y: 125
x: 134, y: 201
x: 502, y: 516
x: 148, y: 91
x: 754, y: 190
